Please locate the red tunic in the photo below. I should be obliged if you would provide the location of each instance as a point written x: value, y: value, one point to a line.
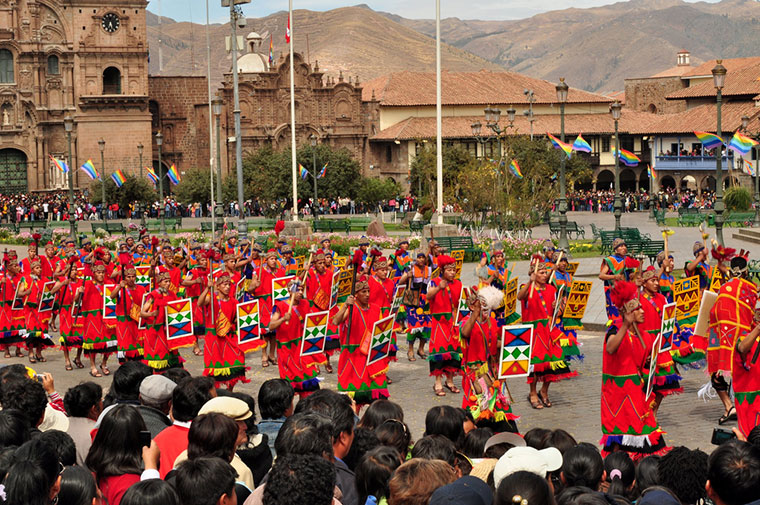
x: 746, y: 383
x: 666, y: 379
x: 445, y: 349
x: 157, y: 354
x: 264, y: 294
x: 193, y: 292
x: 71, y: 326
x: 95, y: 337
x: 128, y: 337
x: 482, y: 343
x: 627, y: 419
x: 299, y: 371
x: 363, y: 383
x: 222, y: 358
x: 36, y: 324
x: 730, y: 319
x: 12, y: 321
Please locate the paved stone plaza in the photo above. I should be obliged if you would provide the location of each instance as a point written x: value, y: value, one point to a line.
x: 686, y: 419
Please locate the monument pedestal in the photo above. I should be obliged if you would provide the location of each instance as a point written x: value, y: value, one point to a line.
x: 437, y: 230
x: 297, y: 229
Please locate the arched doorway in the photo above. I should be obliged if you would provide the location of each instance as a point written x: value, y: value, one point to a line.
x: 708, y: 184
x: 627, y: 180
x: 161, y: 173
x: 605, y: 180
x: 667, y: 182
x: 13, y: 171
x: 688, y: 183
x: 644, y: 183
x: 111, y: 81
x: 730, y: 180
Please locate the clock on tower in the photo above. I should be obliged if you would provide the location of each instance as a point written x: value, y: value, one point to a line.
x: 110, y: 22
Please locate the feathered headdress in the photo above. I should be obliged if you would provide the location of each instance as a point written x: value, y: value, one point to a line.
x: 739, y: 263
x: 154, y: 241
x: 358, y: 257
x: 490, y: 297
x: 625, y: 296
x: 35, y: 239
x: 721, y: 253
x: 278, y: 227
x: 535, y: 260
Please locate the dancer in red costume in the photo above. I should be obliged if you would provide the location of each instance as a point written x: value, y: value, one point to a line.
x: 12, y: 323
x: 156, y: 352
x: 547, y: 361
x: 72, y: 327
x: 746, y: 376
x: 95, y: 342
x: 445, y: 349
x: 381, y: 290
x: 195, y: 281
x: 262, y: 290
x: 37, y: 337
x: 667, y: 381
x: 223, y: 360
x: 129, y: 297
x: 364, y: 383
x: 318, y: 293
x: 288, y: 323
x: 628, y: 422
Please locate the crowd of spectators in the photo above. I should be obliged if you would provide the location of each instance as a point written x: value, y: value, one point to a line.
x: 639, y: 201
x: 176, y: 440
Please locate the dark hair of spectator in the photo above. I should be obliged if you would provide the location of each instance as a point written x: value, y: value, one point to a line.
x: 583, y: 466
x: 14, y: 428
x: 646, y: 474
x: 27, y: 396
x: 177, y: 374
x: 447, y: 421
x: 150, y: 492
x: 620, y: 462
x: 189, y: 396
x: 536, y: 438
x: 684, y: 472
x: 753, y: 437
x: 380, y: 411
x: 498, y: 450
x: 202, y: 481
x: 7, y: 458
x: 275, y: 397
x: 62, y: 444
x: 570, y: 495
x: 297, y: 479
x: 79, y: 399
x: 126, y: 382
x: 334, y: 405
x: 435, y: 447
x: 77, y: 486
x: 374, y: 471
x: 364, y: 440
x: 527, y: 485
x: 308, y: 433
x: 560, y: 440
x: 475, y: 442
x: 734, y: 472
x: 212, y: 436
x: 414, y: 482
x: 33, y: 475
x: 117, y: 448
x: 394, y: 433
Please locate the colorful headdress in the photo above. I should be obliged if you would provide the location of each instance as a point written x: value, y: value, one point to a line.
x: 223, y: 277
x: 86, y: 241
x: 739, y: 264
x: 363, y: 241
x: 35, y: 241
x: 361, y: 284
x: 130, y: 270
x: 445, y: 261
x: 99, y: 267
x: 697, y: 247
x: 649, y: 273
x: 625, y: 296
x: 228, y: 256
x: 320, y: 256
x: 286, y: 249
x: 403, y: 241
x: 556, y: 256
x: 162, y: 275
x: 35, y: 261
x: 548, y: 245
x: 325, y: 240
x: 272, y: 253
x: 257, y: 247
x: 722, y: 254
x: 380, y: 262
x: 661, y: 257
x: 536, y: 263
x: 617, y: 243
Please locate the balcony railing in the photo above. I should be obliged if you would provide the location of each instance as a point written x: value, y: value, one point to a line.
x: 692, y: 162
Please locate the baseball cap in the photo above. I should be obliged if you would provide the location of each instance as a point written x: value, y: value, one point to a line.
x: 231, y: 407
x: 527, y: 459
x: 157, y: 388
x: 467, y: 490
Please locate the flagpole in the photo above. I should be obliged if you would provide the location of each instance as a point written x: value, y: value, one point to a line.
x: 210, y: 124
x: 292, y: 115
x: 438, y: 126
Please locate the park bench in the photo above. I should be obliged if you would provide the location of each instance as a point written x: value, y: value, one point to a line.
x: 32, y: 225
x: 207, y: 226
x: 357, y: 223
x: 687, y: 211
x: 754, y: 270
x: 458, y: 244
x: 329, y: 225
x: 739, y: 219
x: 417, y: 225
x: 691, y: 219
x: 9, y: 226
x: 651, y: 249
x: 109, y: 227
x: 260, y: 224
x: 571, y: 227
x: 596, y: 231
x: 659, y: 217
x: 172, y: 223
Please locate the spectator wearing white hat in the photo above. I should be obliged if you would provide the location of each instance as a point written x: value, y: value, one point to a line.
x: 527, y: 459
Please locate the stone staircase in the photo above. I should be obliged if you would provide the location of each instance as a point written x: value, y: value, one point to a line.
x: 748, y: 235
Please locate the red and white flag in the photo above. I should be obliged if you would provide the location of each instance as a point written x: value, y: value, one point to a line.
x: 287, y: 31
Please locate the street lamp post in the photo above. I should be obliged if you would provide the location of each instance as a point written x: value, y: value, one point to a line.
x: 159, y: 143
x: 719, y: 78
x: 216, y: 105
x: 757, y: 184
x: 651, y: 179
x: 235, y: 18
x: 139, y: 208
x: 562, y: 89
x: 68, y: 125
x: 102, y: 146
x: 617, y: 204
x: 313, y: 138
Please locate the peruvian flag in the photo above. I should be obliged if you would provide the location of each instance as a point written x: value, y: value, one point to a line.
x: 287, y: 31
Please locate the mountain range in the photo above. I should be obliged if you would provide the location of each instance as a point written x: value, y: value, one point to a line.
x: 594, y: 49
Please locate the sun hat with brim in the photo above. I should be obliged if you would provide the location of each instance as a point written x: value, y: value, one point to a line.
x: 502, y: 438
x: 527, y: 459
x: 233, y: 408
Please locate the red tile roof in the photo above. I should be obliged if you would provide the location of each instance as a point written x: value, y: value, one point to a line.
x: 677, y: 71
x: 467, y: 88
x: 731, y: 64
x: 704, y: 117
x: 741, y: 80
x: 460, y: 126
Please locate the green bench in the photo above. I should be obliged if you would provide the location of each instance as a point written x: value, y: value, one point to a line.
x: 417, y: 225
x: 651, y: 249
x: 458, y: 244
x: 739, y: 219
x: 207, y: 226
x: 329, y: 225
x: 631, y: 239
x: 682, y: 211
x: 172, y: 223
x: 260, y: 224
x: 596, y: 231
x: 9, y: 226
x: 571, y: 227
x: 111, y: 228
x: 32, y: 225
x: 691, y: 219
x: 659, y: 217
x: 754, y: 270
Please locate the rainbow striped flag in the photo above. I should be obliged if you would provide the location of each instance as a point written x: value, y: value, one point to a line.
x: 271, y: 49
x: 304, y: 172
x: 515, y: 169
x: 558, y: 144
x: 59, y: 164
x: 322, y: 172
x: 709, y: 141
x: 119, y: 178
x: 173, y: 175
x: 152, y: 176
x: 627, y: 158
x: 90, y: 170
x: 581, y: 145
x: 741, y: 143
x: 651, y: 173
x: 747, y: 167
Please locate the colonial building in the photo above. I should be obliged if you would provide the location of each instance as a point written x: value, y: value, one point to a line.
x: 78, y: 58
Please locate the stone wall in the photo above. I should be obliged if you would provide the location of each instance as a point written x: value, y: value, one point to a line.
x: 648, y: 95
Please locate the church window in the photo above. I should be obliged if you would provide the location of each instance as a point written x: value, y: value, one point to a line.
x: 52, y: 65
x: 6, y: 66
x: 111, y: 81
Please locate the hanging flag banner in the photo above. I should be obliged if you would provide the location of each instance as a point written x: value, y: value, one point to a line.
x: 459, y: 258
x: 380, y: 343
x: 334, y: 288
x: 668, y: 327
x: 280, y: 288
x: 463, y: 310
x: 47, y: 299
x: 179, y: 323
x: 398, y: 299
x: 143, y: 276
x: 686, y: 296
x: 109, y: 302
x: 516, y: 342
x: 314, y: 333
x: 249, y: 326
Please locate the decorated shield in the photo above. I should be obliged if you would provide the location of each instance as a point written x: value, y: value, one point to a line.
x: 241, y: 288
x: 109, y: 302
x: 248, y: 323
x: 18, y: 300
x: 334, y: 288
x: 300, y: 265
x: 340, y: 262
x: 686, y: 296
x: 280, y: 288
x: 572, y: 267
x: 314, y: 333
x: 179, y: 323
x: 141, y: 321
x: 398, y: 299
x: 668, y: 327
x: 516, y: 342
x: 380, y: 345
x: 510, y: 297
x: 344, y: 284
x: 459, y: 258
x: 576, y: 304
x: 47, y: 299
x: 716, y: 281
x: 143, y: 276
x: 463, y: 310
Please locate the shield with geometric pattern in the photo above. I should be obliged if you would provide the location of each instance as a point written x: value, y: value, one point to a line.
x: 516, y: 342
x: 510, y: 297
x: 463, y: 310
x: 398, y: 298
x: 179, y: 323
x: 686, y: 296
x: 380, y: 345
x: 143, y: 275
x: 248, y: 324
x: 280, y: 288
x: 668, y: 327
x: 47, y: 299
x: 459, y: 261
x: 109, y: 302
x: 314, y: 333
x: 334, y: 288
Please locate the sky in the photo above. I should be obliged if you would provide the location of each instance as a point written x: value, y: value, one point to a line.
x: 195, y: 10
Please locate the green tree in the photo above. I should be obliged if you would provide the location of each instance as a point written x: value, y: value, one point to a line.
x: 423, y: 170
x: 195, y: 187
x: 134, y: 189
x: 374, y: 190
x: 737, y: 199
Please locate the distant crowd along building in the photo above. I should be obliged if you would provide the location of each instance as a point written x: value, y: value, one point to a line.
x: 89, y: 61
